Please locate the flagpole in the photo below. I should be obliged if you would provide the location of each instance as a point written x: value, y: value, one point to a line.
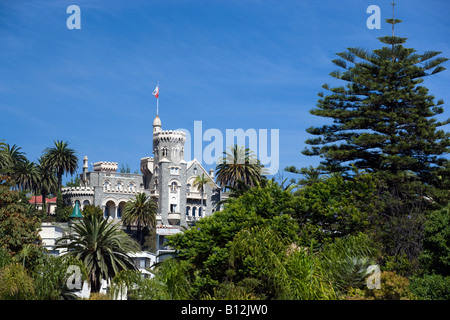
x: 157, y: 99
x: 156, y: 94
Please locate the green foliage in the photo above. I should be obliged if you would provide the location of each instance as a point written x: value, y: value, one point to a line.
x: 383, y: 117
x: 399, y: 225
x: 150, y: 241
x: 10, y: 156
x: 436, y: 254
x: 277, y: 268
x: 99, y: 296
x: 238, y: 164
x: 141, y: 211
x: 398, y: 263
x: 393, y: 287
x: 15, y: 283
x: 30, y: 256
x: 74, y: 182
x: 62, y: 215
x: 230, y: 291
x: 431, y: 287
x: 207, y: 246
x: 59, y: 211
x: 5, y: 258
x: 50, y: 278
x: 336, y: 207
x: 175, y: 275
x: 61, y: 159
x: 16, y: 229
x: 92, y: 211
x: 346, y: 260
x: 102, y: 246
x: 124, y: 169
x: 310, y: 175
x: 171, y: 282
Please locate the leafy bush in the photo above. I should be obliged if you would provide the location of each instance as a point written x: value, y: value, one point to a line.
x: 431, y: 287
x: 91, y: 210
x: 393, y: 287
x: 99, y: 296
x: 50, y: 277
x: 5, y: 258
x: 207, y: 246
x: 436, y: 255
x: 278, y: 270
x: 15, y: 283
x: 336, y: 207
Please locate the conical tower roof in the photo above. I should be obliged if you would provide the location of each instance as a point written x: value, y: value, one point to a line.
x: 76, y: 212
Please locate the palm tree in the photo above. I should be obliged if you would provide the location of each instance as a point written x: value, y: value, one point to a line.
x: 200, y: 182
x: 142, y: 212
x: 25, y: 174
x: 102, y: 246
x: 3, y: 160
x: 10, y: 156
x: 239, y: 164
x: 46, y: 183
x: 62, y: 159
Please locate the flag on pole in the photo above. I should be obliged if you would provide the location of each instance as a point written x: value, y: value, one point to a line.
x: 156, y: 92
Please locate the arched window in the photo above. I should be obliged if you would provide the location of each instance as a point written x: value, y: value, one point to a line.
x: 156, y: 170
x: 131, y: 187
x: 155, y: 184
x: 188, y: 187
x: 195, y: 171
x: 188, y: 210
x: 165, y: 151
x: 110, y: 208
x: 173, y: 186
x: 200, y: 212
x: 106, y: 186
x: 194, y: 211
x: 120, y: 209
x: 119, y: 186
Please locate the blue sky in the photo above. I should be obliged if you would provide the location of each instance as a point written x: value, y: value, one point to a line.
x: 231, y: 64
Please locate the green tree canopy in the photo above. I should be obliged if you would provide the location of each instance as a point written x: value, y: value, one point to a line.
x: 16, y: 229
x: 207, y: 246
x: 102, y: 246
x: 141, y: 211
x: 61, y: 159
x: 383, y: 118
x: 238, y: 164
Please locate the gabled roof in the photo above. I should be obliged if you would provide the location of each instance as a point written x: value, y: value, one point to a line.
x: 39, y: 200
x: 195, y: 161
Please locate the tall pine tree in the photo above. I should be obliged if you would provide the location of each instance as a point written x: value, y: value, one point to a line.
x: 383, y: 118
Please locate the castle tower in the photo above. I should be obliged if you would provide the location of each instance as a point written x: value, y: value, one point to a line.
x: 168, y: 181
x: 85, y: 170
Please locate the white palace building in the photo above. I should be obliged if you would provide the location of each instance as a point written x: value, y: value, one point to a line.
x: 166, y: 177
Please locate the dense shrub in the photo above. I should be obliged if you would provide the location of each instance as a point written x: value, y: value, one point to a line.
x: 431, y: 287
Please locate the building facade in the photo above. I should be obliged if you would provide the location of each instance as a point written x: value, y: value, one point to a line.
x: 166, y: 177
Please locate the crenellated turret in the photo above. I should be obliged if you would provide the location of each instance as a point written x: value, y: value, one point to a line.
x: 167, y: 172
